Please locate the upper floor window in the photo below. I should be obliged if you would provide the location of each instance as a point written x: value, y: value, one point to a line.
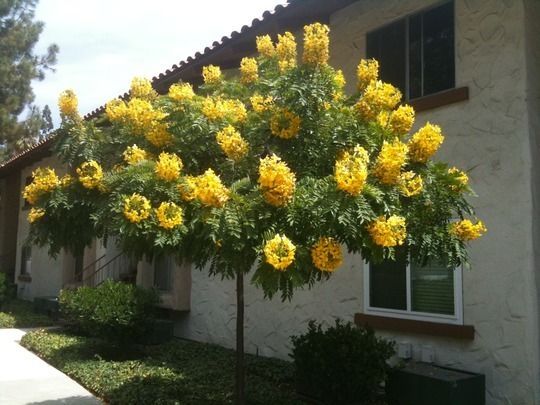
x: 409, y: 290
x: 416, y: 53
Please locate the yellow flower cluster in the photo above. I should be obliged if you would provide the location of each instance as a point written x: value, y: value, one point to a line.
x: 286, y: 51
x: 425, y: 142
x: 142, y: 116
x: 142, y: 88
x: 66, y: 180
x: 326, y: 254
x: 138, y: 113
x: 378, y: 96
x: 181, y: 92
x: 461, y: 178
x: 68, y: 104
x: 399, y: 121
x: 316, y: 44
x: 249, y: 70
x: 351, y: 171
x: 209, y: 189
x: 116, y: 110
x: 34, y: 214
x: 211, y: 74
x: 90, y: 174
x: 279, y: 252
x: 168, y: 166
x: 261, y: 104
x: 232, y: 143
x: 134, y: 154
x: 159, y: 135
x: 136, y: 208
x: 367, y: 72
x: 187, y: 188
x: 466, y: 230
x: 169, y: 215
x: 276, y: 181
x: 44, y: 180
x: 390, y: 161
x: 265, y: 46
x: 285, y: 124
x: 217, y: 108
x: 388, y: 232
x: 410, y: 184
x: 339, y: 79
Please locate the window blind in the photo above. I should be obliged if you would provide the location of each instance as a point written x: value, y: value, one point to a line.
x: 432, y: 289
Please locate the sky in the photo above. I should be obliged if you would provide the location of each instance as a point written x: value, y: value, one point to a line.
x: 105, y: 43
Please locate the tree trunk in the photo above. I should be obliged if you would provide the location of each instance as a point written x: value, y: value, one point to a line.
x: 240, y: 373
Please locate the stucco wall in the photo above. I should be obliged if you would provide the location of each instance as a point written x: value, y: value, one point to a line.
x: 9, y: 209
x: 487, y: 134
x: 178, y: 298
x: 47, y: 273
x: 532, y: 35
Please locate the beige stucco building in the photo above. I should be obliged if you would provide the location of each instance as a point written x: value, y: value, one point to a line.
x: 489, y: 107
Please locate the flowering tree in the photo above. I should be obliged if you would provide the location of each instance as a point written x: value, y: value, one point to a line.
x: 275, y: 171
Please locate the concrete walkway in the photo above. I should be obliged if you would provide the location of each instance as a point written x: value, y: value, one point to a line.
x: 26, y: 379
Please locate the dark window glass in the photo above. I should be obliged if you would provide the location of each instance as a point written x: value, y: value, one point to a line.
x: 438, y: 44
x: 416, y: 53
x: 26, y: 256
x: 415, y: 56
x: 387, y: 45
x: 163, y: 267
x: 388, y: 284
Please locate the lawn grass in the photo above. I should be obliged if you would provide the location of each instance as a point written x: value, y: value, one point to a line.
x: 20, y: 314
x: 178, y: 372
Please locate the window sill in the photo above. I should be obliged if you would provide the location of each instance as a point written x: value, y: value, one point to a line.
x: 440, y: 99
x: 464, y: 332
x: 26, y: 278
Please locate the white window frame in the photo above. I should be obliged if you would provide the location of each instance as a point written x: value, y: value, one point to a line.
x: 456, y: 319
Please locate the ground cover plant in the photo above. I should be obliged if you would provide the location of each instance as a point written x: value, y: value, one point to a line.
x: 275, y: 169
x: 20, y: 314
x: 178, y: 372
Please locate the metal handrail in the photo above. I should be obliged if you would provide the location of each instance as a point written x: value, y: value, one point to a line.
x: 112, y: 266
x: 87, y: 267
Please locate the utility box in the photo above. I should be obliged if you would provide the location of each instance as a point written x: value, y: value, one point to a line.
x: 47, y: 306
x: 426, y: 384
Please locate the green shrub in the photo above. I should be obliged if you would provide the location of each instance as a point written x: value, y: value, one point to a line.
x: 341, y: 365
x: 20, y: 314
x: 3, y: 289
x: 115, y: 311
x: 7, y: 320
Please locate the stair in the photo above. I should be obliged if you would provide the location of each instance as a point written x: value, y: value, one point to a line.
x: 120, y: 268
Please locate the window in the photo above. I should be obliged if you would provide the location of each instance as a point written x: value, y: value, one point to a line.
x: 397, y: 289
x: 416, y: 53
x: 26, y: 259
x: 163, y: 273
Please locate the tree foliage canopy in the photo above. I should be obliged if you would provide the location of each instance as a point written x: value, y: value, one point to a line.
x: 19, y: 65
x: 273, y: 168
